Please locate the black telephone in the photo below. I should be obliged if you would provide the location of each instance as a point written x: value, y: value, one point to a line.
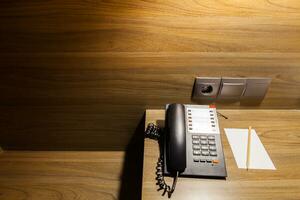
x: 190, y: 144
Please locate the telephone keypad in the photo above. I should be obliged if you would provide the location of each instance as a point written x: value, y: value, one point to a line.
x: 204, y: 147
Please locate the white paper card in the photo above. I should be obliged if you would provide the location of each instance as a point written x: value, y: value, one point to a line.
x: 202, y: 120
x: 259, y: 158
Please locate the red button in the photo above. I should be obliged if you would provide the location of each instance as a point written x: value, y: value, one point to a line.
x: 215, y: 161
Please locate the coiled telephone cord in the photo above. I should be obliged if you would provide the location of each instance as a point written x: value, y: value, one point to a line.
x: 154, y: 132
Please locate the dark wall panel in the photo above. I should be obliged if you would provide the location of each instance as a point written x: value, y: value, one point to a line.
x: 79, y: 74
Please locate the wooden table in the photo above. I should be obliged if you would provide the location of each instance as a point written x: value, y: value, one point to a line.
x: 279, y: 131
x: 61, y: 175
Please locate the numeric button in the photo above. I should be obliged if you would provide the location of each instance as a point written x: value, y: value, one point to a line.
x: 203, y: 142
x: 205, y: 153
x: 196, y: 152
x: 195, y: 136
x: 213, y: 153
x: 212, y: 148
x: 204, y: 147
x: 196, y: 142
x: 203, y: 137
x: 211, y: 137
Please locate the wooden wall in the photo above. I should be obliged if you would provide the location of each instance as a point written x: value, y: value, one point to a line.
x: 79, y: 74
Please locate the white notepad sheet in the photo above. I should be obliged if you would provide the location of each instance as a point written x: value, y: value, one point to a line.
x: 259, y: 158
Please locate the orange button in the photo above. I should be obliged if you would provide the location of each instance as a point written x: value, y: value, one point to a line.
x: 215, y: 161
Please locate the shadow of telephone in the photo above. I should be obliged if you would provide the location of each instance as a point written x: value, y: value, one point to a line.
x: 184, y: 152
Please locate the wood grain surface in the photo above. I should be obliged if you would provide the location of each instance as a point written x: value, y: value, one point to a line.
x: 97, y: 175
x: 146, y: 26
x: 279, y: 131
x: 79, y: 74
x: 60, y: 175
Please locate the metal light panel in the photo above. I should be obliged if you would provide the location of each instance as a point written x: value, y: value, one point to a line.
x: 232, y: 88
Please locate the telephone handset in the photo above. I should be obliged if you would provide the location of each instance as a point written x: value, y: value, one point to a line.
x: 190, y: 144
x: 175, y: 143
